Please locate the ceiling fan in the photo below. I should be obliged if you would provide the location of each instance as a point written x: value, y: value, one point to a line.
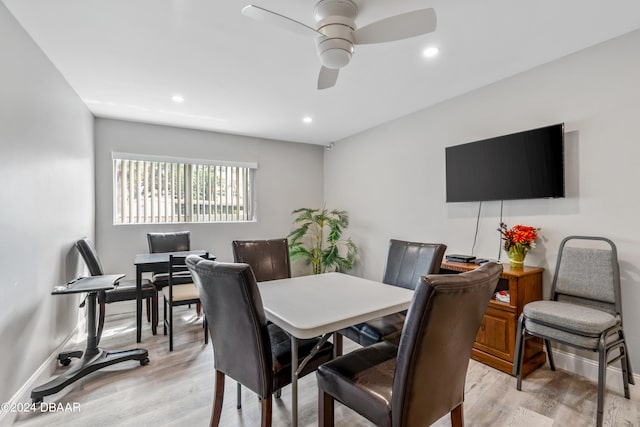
x: 336, y: 32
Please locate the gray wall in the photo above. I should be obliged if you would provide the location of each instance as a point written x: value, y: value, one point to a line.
x: 391, y: 178
x: 289, y: 176
x: 47, y: 191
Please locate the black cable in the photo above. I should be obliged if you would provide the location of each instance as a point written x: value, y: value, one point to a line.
x: 500, y: 239
x: 473, y: 248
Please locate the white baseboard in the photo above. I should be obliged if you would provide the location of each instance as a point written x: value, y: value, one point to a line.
x: 589, y: 369
x: 41, y: 374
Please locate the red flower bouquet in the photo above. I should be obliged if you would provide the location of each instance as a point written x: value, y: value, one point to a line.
x: 518, y: 240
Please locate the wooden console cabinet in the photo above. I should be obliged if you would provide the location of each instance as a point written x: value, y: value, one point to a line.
x: 496, y: 339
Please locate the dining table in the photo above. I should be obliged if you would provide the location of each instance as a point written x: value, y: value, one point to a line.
x: 157, y: 263
x: 320, y: 305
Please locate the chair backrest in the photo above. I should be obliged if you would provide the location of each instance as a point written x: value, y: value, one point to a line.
x: 90, y: 256
x: 169, y: 242
x: 435, y: 347
x: 587, y: 275
x: 237, y: 324
x: 269, y: 259
x: 407, y: 262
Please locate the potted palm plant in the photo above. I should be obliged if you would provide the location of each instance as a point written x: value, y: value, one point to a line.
x: 318, y: 240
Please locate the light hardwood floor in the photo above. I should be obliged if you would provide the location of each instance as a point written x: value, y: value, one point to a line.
x: 176, y: 389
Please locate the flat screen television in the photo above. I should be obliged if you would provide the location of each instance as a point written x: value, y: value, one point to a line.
x: 523, y: 165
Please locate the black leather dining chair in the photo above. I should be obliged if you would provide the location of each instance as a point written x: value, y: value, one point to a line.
x: 246, y: 348
x: 269, y: 259
x: 422, y: 379
x: 125, y: 290
x: 175, y: 241
x: 407, y: 262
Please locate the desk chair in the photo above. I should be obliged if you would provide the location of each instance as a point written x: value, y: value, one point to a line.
x: 177, y: 294
x: 407, y: 262
x: 245, y: 347
x: 585, y: 311
x: 93, y: 357
x: 422, y: 379
x: 125, y: 290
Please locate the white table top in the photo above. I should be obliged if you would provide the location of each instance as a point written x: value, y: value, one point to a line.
x: 309, y: 306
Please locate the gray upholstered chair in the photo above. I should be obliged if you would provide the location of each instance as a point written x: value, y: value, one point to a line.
x: 269, y: 259
x: 422, y: 379
x: 406, y: 263
x: 125, y: 290
x: 246, y: 348
x: 584, y: 311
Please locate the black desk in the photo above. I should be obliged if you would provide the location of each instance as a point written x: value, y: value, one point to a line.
x: 94, y: 357
x: 156, y: 263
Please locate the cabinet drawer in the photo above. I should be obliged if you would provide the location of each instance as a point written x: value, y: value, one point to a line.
x: 496, y: 335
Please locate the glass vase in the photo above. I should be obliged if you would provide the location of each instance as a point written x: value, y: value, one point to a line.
x: 516, y: 254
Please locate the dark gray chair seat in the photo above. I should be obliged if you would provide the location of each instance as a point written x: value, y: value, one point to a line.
x: 573, y: 324
x: 406, y: 263
x: 422, y: 379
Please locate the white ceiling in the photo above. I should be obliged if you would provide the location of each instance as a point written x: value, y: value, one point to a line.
x: 126, y: 58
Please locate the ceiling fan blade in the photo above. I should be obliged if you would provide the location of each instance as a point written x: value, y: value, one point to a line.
x: 327, y: 77
x: 264, y: 15
x: 397, y: 27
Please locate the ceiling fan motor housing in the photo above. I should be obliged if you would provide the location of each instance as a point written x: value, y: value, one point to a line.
x: 335, y: 20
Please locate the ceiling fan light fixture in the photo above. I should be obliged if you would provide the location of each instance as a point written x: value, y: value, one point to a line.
x: 335, y: 58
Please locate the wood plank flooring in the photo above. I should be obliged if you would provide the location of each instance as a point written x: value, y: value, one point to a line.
x: 176, y: 389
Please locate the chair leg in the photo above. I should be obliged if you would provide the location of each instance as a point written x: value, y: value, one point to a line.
x: 626, y: 352
x: 518, y: 347
x: 602, y: 378
x: 206, y: 329
x: 148, y: 301
x: 457, y: 416
x: 278, y: 393
x: 325, y: 409
x: 154, y: 314
x: 170, y: 326
x: 552, y: 365
x: 217, y: 400
x: 198, y: 310
x: 164, y: 323
x: 239, y: 396
x: 266, y: 405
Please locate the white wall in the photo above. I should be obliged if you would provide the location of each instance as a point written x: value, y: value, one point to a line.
x: 47, y: 192
x: 391, y: 178
x: 289, y: 176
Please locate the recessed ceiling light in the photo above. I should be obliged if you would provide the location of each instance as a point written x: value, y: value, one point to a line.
x: 307, y: 119
x: 177, y: 99
x: 430, y: 52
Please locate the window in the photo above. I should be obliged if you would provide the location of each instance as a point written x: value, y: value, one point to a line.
x: 152, y: 190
